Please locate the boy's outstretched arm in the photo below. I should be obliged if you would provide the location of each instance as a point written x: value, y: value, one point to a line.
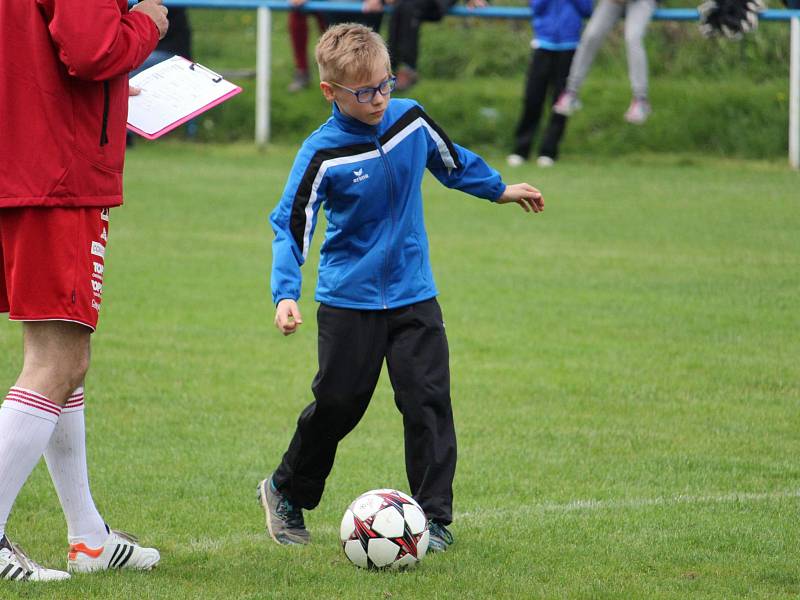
x: 293, y: 222
x: 288, y: 317
x: 524, y: 194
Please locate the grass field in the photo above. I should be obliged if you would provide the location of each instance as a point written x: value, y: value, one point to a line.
x: 625, y: 380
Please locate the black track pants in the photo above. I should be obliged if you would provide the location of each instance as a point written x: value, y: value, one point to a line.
x: 547, y: 70
x: 352, y: 347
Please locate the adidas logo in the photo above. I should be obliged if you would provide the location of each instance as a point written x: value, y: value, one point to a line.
x: 360, y: 175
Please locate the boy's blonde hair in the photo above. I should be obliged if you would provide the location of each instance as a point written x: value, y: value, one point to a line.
x: 348, y: 51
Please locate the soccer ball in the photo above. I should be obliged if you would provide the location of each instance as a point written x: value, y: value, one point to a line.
x: 384, y: 529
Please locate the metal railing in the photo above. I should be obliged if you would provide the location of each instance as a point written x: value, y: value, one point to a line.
x: 264, y: 10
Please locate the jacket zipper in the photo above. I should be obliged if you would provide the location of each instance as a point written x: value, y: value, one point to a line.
x: 104, y: 130
x: 389, y: 179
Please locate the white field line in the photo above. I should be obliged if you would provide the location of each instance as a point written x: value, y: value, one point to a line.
x: 216, y: 544
x: 632, y: 503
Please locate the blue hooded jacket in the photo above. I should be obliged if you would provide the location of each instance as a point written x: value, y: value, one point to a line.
x: 368, y: 178
x: 557, y: 24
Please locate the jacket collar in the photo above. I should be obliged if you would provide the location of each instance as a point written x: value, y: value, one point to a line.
x: 351, y: 125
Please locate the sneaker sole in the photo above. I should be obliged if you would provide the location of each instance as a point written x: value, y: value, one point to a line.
x: 262, y: 499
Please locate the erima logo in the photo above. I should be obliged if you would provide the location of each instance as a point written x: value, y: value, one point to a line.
x: 360, y: 175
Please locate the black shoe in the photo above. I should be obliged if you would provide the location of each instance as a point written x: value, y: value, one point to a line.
x: 440, y: 537
x: 284, y: 521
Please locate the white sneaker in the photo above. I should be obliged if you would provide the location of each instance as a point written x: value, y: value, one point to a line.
x: 545, y: 161
x: 16, y: 566
x: 515, y: 160
x: 120, y: 551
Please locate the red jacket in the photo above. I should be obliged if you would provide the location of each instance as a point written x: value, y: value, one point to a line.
x: 64, y: 68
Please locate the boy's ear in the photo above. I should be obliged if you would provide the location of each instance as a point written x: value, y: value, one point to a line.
x: 327, y: 90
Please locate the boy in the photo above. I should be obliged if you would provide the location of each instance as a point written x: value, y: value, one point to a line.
x: 378, y: 300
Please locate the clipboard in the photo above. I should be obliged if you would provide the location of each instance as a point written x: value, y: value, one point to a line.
x: 174, y: 91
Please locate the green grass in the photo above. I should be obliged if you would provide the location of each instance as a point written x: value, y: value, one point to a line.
x: 625, y: 383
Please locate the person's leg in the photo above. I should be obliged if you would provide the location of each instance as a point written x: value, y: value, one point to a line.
x: 351, y: 352
x: 298, y: 35
x: 66, y: 460
x: 404, y: 27
x: 602, y: 20
x: 557, y: 123
x: 535, y: 93
x: 637, y: 18
x: 56, y: 357
x: 418, y: 361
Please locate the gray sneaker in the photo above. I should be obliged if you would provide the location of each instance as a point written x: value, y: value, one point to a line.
x: 440, y: 537
x: 284, y: 521
x: 300, y: 81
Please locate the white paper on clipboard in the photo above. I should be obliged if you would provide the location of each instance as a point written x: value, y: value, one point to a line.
x: 174, y: 91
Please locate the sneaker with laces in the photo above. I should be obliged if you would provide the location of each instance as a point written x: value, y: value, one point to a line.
x: 567, y: 104
x: 440, y: 537
x: 16, y: 566
x: 638, y: 111
x: 284, y: 521
x: 120, y: 551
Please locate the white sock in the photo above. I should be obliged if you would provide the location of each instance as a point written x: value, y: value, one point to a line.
x: 66, y: 460
x: 27, y: 420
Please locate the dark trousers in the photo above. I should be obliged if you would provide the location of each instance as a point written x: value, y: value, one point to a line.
x: 404, y: 27
x: 352, y: 348
x: 547, y: 69
x: 371, y: 19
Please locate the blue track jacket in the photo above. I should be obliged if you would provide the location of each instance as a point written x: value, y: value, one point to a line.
x: 368, y: 178
x: 557, y: 23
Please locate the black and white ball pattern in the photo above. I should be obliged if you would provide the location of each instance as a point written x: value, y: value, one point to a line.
x: 384, y: 529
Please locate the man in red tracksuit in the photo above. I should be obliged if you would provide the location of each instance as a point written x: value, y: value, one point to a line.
x: 63, y: 108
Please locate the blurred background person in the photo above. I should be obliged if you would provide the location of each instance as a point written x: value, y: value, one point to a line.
x: 371, y: 15
x: 298, y: 35
x: 557, y: 30
x: 638, y: 14
x: 404, y: 26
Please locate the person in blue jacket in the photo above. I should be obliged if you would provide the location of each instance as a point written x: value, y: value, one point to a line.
x: 364, y: 166
x: 557, y: 30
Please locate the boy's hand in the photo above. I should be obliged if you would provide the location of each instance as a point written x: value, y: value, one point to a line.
x: 287, y: 317
x: 527, y: 196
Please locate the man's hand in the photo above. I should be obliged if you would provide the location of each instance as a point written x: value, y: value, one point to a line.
x: 287, y: 317
x: 134, y: 91
x: 156, y: 11
x: 527, y: 196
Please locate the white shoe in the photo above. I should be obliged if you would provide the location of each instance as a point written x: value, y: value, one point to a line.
x: 120, y: 551
x: 16, y: 566
x: 545, y: 161
x: 515, y: 160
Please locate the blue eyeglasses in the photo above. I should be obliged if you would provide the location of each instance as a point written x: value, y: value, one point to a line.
x: 366, y: 94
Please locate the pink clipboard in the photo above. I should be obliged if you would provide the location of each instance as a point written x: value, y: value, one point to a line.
x: 209, y: 80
